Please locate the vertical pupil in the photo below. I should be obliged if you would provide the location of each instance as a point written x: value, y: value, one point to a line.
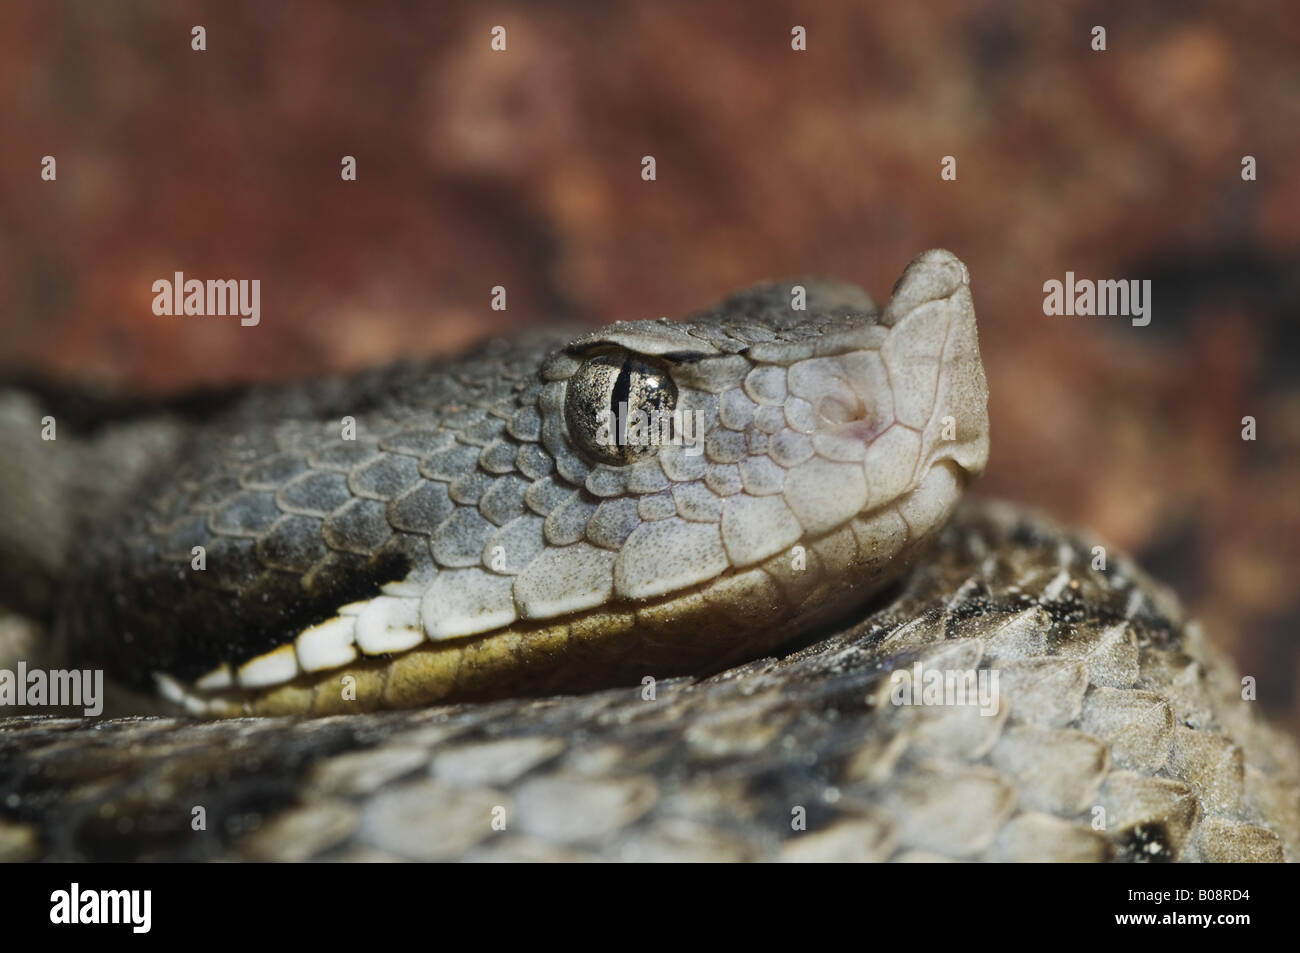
x: 618, y: 385
x: 622, y: 390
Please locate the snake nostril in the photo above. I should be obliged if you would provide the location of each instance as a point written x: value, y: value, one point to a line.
x: 837, y: 410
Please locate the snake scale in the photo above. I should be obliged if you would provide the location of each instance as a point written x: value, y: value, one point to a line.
x: 604, y: 640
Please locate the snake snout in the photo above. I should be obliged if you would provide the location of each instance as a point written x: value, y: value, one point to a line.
x: 934, y: 362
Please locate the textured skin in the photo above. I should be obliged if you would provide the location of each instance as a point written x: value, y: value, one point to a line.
x: 1112, y: 702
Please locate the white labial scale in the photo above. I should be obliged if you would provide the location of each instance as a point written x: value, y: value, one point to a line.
x: 755, y: 527
x: 564, y: 579
x: 467, y: 602
x: 169, y: 688
x: 412, y: 587
x: 668, y: 554
x: 327, y: 645
x: 389, y: 624
x: 219, y: 679
x: 176, y: 693
x: 824, y: 495
x: 274, y: 667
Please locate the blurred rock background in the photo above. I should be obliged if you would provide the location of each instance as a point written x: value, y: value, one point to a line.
x: 522, y: 169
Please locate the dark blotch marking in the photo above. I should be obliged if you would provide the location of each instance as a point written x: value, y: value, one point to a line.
x: 170, y: 623
x: 1146, y: 844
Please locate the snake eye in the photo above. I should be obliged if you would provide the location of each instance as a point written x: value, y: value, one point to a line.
x: 616, y: 405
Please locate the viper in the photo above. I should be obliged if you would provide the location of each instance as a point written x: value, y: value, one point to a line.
x: 643, y: 589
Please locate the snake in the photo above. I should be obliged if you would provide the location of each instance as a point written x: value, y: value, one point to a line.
x: 659, y: 590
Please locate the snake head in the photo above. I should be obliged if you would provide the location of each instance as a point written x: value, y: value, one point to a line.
x: 558, y: 513
x: 791, y: 415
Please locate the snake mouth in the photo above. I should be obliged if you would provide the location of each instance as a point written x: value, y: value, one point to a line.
x: 738, y: 615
